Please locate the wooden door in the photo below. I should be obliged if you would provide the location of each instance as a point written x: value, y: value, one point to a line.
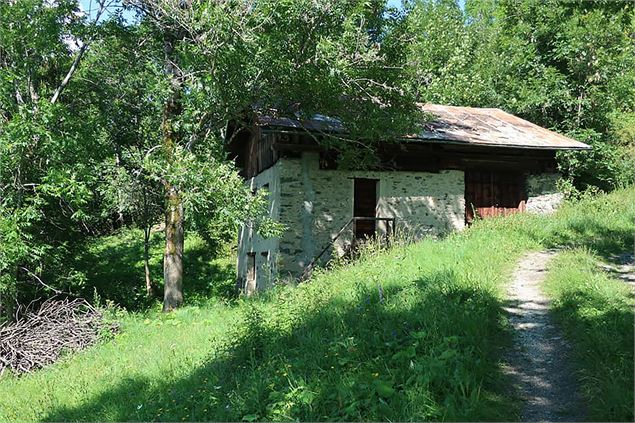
x: 365, y: 205
x: 493, y: 193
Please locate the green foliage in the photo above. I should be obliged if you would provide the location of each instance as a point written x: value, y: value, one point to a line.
x: 294, y: 58
x: 214, y: 195
x: 605, y: 167
x: 596, y: 312
x: 48, y: 152
x: 92, y: 161
x: 412, y: 333
x: 568, y: 66
x: 112, y: 268
x: 12, y: 252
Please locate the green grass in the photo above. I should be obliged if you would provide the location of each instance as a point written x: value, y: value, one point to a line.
x: 596, y: 313
x: 113, y: 268
x: 413, y: 333
x: 149, y: 350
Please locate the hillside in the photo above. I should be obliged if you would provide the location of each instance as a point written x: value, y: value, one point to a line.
x: 413, y: 333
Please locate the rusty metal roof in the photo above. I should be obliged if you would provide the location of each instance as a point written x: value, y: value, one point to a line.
x: 455, y: 125
x: 491, y: 127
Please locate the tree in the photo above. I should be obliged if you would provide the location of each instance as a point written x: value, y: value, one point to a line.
x: 120, y: 88
x: 298, y: 58
x: 568, y: 66
x: 48, y: 146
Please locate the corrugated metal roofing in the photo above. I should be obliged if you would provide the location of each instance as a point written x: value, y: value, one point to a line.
x: 457, y: 125
x: 492, y: 127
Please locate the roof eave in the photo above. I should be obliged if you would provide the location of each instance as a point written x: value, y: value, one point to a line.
x: 492, y: 144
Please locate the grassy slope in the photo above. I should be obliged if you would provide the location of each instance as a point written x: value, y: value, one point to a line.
x: 113, y: 266
x: 414, y: 333
x: 596, y: 312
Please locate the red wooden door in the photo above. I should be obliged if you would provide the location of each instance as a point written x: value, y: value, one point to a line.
x: 364, y: 205
x: 490, y: 193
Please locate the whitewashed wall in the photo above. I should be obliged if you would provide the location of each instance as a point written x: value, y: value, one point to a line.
x: 316, y: 204
x: 542, y: 193
x: 250, y: 242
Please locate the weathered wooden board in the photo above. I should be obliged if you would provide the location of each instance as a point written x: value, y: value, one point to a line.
x: 493, y: 193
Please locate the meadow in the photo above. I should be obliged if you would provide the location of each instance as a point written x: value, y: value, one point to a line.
x: 416, y: 332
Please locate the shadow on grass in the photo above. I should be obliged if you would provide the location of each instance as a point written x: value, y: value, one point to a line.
x: 114, y: 269
x: 603, y: 333
x: 603, y: 238
x: 426, y: 350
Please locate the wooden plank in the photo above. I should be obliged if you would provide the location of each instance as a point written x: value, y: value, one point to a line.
x: 493, y: 193
x: 258, y: 149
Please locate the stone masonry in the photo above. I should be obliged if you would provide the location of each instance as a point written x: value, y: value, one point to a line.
x: 263, y: 251
x: 314, y: 204
x: 542, y: 193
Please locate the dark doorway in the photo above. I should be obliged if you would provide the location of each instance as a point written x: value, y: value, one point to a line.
x: 365, y: 205
x: 493, y: 193
x: 251, y: 283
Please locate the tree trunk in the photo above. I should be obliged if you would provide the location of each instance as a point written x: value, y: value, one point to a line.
x: 173, y: 258
x: 147, y: 228
x: 146, y: 261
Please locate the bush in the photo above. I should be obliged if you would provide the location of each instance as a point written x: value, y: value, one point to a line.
x: 606, y: 166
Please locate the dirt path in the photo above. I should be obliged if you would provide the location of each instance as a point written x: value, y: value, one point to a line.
x: 539, y: 361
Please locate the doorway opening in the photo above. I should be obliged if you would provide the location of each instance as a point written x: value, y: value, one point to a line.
x: 365, y: 206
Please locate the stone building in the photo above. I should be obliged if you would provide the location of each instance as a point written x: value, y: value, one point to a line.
x: 466, y: 162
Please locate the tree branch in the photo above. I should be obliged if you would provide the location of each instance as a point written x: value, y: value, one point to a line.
x: 103, y: 4
x: 33, y: 275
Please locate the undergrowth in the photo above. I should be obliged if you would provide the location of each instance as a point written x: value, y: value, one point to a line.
x: 412, y: 333
x: 113, y: 269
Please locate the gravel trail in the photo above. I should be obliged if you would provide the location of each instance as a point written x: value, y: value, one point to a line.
x: 539, y: 361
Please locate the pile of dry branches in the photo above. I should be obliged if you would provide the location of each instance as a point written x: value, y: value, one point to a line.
x: 40, y: 337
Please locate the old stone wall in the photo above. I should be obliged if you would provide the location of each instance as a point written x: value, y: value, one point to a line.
x: 263, y: 251
x: 315, y: 204
x: 542, y: 193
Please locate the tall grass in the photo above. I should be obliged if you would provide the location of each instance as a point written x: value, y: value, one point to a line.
x: 412, y: 333
x: 596, y: 312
